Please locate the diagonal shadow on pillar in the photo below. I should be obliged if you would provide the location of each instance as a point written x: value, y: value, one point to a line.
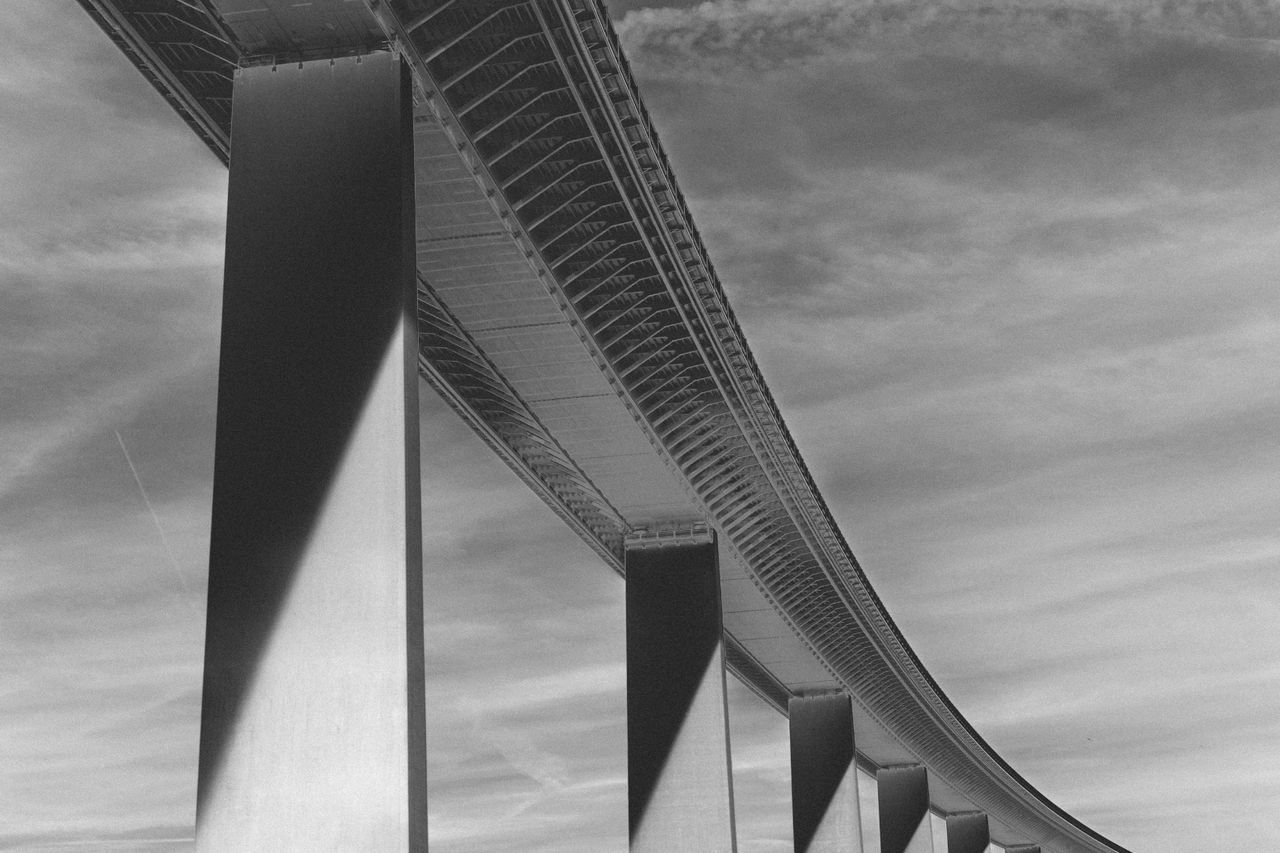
x: 318, y: 342
x: 674, y: 637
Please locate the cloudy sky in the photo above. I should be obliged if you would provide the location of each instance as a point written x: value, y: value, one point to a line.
x: 1010, y: 268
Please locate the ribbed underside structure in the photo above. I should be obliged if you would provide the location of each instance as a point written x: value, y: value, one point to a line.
x: 569, y: 311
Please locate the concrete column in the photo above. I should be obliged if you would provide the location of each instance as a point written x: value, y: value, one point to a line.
x: 313, y: 728
x: 680, y: 782
x: 967, y: 833
x: 824, y: 778
x: 904, y: 809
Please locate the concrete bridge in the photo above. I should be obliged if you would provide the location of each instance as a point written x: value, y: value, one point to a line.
x: 471, y: 191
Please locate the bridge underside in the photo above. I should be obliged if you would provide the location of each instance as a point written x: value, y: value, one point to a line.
x: 567, y: 310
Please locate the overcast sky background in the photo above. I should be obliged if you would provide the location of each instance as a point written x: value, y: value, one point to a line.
x: 1010, y: 268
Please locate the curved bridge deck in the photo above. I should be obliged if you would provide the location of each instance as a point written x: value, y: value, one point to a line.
x: 570, y: 313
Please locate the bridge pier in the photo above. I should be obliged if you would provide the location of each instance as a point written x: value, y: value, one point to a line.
x: 904, y: 809
x: 824, y: 778
x: 967, y: 833
x: 313, y: 725
x: 680, y: 787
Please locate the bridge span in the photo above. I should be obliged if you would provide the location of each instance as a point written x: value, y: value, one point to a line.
x: 472, y: 191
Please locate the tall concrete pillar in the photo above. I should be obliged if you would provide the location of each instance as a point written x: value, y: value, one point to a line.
x: 824, y: 777
x: 312, y: 728
x: 967, y: 832
x: 680, y: 790
x: 904, y: 809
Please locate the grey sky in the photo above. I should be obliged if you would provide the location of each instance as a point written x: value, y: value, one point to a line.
x: 1010, y: 270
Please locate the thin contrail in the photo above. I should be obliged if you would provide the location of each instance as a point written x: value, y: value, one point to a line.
x: 164, y: 540
x: 99, y: 842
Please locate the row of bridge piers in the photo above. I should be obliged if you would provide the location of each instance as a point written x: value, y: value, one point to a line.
x: 314, y: 722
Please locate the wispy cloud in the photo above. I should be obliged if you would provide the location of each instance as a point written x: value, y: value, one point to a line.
x: 786, y: 34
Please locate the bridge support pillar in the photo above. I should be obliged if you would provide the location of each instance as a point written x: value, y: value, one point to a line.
x: 313, y: 726
x: 680, y: 788
x: 904, y: 809
x: 967, y: 833
x: 824, y: 777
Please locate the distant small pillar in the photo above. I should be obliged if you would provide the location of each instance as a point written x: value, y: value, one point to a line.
x: 824, y: 776
x: 313, y: 732
x: 680, y: 789
x: 904, y: 809
x: 967, y: 832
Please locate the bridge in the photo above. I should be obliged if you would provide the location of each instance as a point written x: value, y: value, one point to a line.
x: 472, y: 191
